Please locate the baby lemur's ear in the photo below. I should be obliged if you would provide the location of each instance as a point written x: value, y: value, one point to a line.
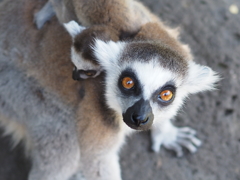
x: 73, y: 28
x: 200, y: 78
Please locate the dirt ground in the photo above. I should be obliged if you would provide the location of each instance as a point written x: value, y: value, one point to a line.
x: 213, y: 33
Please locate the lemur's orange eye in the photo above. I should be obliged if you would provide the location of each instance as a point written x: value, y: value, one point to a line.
x: 90, y: 72
x: 127, y: 82
x: 166, y: 95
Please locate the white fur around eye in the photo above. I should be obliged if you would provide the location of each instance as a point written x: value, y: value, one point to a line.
x: 73, y: 28
x: 152, y: 76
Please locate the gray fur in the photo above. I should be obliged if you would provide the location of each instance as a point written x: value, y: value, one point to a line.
x: 49, y: 123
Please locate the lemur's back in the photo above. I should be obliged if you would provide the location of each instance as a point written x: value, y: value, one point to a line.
x: 35, y: 72
x: 43, y: 54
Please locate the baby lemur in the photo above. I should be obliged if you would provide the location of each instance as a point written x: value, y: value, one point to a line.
x: 71, y: 125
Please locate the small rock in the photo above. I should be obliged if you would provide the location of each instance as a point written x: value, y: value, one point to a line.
x: 233, y: 9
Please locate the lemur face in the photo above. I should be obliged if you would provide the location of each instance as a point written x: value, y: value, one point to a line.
x: 81, y: 52
x: 147, y: 82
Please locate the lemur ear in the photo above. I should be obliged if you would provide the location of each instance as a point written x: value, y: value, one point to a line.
x: 107, y: 53
x: 200, y: 78
x: 73, y: 28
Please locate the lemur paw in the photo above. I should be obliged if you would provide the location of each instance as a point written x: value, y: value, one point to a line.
x: 175, y: 139
x: 44, y: 15
x: 38, y: 21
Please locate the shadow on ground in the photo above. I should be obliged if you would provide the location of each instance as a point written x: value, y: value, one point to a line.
x: 213, y: 34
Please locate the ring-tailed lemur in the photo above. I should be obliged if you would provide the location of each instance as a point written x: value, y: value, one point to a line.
x: 69, y: 124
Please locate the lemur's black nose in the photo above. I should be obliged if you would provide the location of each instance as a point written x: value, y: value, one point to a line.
x: 139, y: 116
x: 139, y: 119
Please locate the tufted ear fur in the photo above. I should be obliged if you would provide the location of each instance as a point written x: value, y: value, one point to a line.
x: 200, y: 78
x: 73, y: 28
x: 107, y: 53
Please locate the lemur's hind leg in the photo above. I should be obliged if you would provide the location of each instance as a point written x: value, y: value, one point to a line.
x: 174, y: 138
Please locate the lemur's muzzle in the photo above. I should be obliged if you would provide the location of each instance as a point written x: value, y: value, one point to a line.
x: 139, y: 116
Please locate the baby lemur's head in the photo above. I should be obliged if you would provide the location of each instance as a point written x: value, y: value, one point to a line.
x: 82, y: 54
x: 146, y: 79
